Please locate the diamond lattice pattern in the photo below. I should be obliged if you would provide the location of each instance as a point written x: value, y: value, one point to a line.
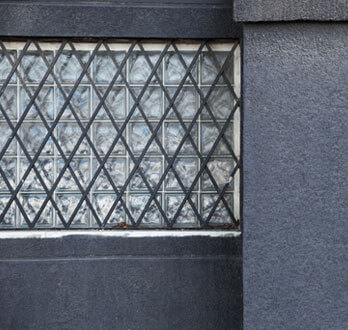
x: 119, y: 134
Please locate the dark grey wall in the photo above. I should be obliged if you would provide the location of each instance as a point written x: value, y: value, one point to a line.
x: 84, y: 282
x: 295, y: 142
x: 119, y: 19
x: 294, y: 10
x: 93, y: 282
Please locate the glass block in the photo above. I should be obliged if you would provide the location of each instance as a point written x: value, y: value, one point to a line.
x: 68, y: 136
x: 187, y: 216
x: 221, y: 215
x: 174, y: 133
x: 4, y: 136
x: 137, y: 203
x: 220, y: 169
x: 104, y: 137
x: 140, y: 134
x: 105, y: 68
x: 33, y: 135
x: 187, y: 169
x: 210, y: 69
x: 81, y: 168
x: 175, y: 70
x: 6, y: 67
x: 210, y: 134
x: 102, y: 204
x: 32, y: 182
x: 116, y: 168
x: 220, y: 103
x: 115, y: 102
x: 34, y: 68
x: 67, y: 204
x: 43, y: 103
x: 8, y: 101
x: 150, y: 103
x: 9, y: 219
x: 9, y: 166
x: 140, y: 70
x: 32, y: 204
x: 68, y: 68
x: 151, y: 168
x: 80, y: 102
x: 186, y: 103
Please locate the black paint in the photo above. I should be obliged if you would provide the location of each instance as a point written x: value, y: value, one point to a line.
x: 295, y: 208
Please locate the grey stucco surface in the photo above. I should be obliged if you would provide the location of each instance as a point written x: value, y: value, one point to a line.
x: 295, y: 176
x: 294, y: 10
x: 117, y: 20
x: 93, y: 282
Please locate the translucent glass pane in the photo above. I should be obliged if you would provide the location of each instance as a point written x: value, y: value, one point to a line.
x: 33, y: 136
x: 68, y: 136
x: 5, y: 66
x: 9, y: 219
x: 116, y: 169
x: 186, y: 169
x: 175, y: 70
x: 221, y: 214
x: 69, y: 69
x: 105, y: 137
x: 137, y: 204
x: 151, y: 169
x: 220, y: 103
x: 140, y: 69
x: 220, y: 170
x: 34, y: 67
x: 210, y: 137
x: 211, y: 65
x: 9, y: 168
x: 68, y: 203
x: 115, y: 102
x: 45, y: 168
x: 186, y: 103
x: 4, y: 138
x: 89, y: 139
x: 150, y: 103
x: 174, y: 134
x: 80, y: 101
x: 105, y: 68
x: 140, y: 135
x: 187, y: 216
x: 103, y: 203
x: 8, y: 103
x: 32, y: 204
x: 44, y: 103
x: 81, y: 169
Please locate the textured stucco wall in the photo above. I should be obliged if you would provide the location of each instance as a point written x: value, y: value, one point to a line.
x: 119, y: 19
x: 295, y: 176
x: 294, y: 10
x: 95, y: 282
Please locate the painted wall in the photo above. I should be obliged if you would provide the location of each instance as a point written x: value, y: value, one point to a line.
x: 119, y: 19
x: 101, y: 282
x: 295, y: 142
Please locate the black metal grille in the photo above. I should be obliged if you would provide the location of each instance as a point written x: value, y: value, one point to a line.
x: 121, y: 134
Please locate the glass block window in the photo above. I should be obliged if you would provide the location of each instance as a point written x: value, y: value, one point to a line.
x: 119, y: 134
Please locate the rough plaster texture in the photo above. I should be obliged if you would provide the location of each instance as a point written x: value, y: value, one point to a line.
x: 115, y: 20
x: 93, y: 282
x: 294, y: 10
x: 295, y: 176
